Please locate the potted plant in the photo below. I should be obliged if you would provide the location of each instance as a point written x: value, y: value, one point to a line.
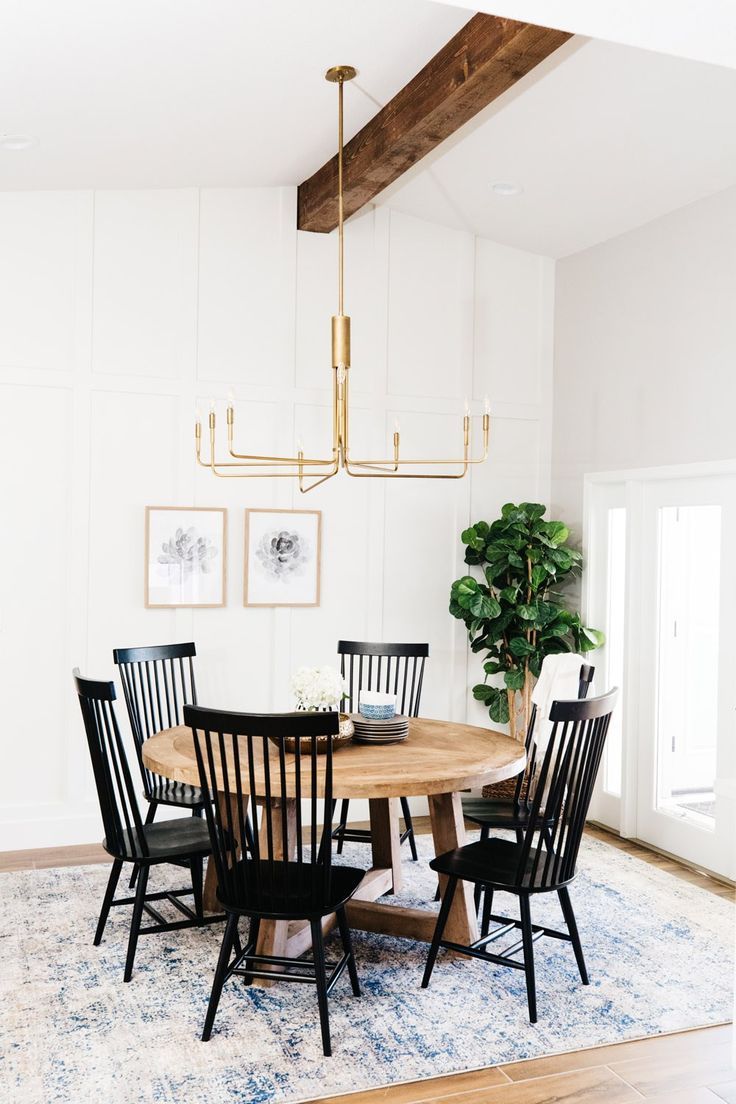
x: 515, y: 613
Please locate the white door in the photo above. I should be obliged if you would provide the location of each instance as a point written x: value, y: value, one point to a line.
x: 685, y: 647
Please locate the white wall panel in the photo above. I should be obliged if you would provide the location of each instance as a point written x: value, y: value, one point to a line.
x: 134, y: 454
x: 430, y: 332
x: 424, y: 519
x: 247, y: 277
x: 236, y: 646
x: 37, y: 544
x: 43, y: 254
x: 145, y: 283
x: 509, y: 323
x: 366, y: 271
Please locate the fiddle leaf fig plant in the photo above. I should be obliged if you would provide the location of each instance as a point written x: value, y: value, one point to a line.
x: 514, y: 612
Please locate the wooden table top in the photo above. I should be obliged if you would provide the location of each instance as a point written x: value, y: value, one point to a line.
x: 437, y: 757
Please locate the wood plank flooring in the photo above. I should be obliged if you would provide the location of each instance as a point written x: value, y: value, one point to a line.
x: 692, y: 1067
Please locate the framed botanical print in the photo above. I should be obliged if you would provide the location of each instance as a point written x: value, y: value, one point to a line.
x: 186, y: 552
x: 282, y: 557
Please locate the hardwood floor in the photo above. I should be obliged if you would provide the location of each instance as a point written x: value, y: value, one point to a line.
x: 692, y: 1067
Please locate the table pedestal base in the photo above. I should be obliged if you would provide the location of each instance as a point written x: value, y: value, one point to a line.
x: 365, y: 912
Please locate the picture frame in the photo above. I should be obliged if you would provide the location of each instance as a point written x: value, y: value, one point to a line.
x: 283, y: 558
x: 185, y: 565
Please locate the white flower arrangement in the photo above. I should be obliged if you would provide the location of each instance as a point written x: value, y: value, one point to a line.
x: 318, y: 688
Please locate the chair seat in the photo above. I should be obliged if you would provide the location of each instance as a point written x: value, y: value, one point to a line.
x: 290, y: 891
x: 494, y: 814
x: 494, y: 862
x: 168, y: 839
x: 177, y: 794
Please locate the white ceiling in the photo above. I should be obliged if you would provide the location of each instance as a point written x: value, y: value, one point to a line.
x: 173, y: 93
x: 602, y: 138
x: 703, y: 30
x: 161, y: 93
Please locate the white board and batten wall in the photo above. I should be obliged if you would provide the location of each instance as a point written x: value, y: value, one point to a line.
x: 120, y: 312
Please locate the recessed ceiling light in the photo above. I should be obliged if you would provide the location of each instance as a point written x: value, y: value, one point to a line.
x: 506, y: 188
x: 17, y: 143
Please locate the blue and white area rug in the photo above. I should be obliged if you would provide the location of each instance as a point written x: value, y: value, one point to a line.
x: 659, y: 952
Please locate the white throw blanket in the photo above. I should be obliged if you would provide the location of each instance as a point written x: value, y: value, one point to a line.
x: 559, y: 680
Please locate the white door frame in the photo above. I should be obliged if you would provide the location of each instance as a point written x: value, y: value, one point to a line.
x: 600, y: 490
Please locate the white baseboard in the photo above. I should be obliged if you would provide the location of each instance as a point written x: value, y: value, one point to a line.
x: 25, y: 827
x: 30, y: 826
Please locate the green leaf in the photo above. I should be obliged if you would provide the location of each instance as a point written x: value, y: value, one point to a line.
x: 465, y: 590
x: 590, y: 639
x: 519, y: 646
x: 556, y: 532
x: 539, y: 577
x: 527, y: 613
x: 499, y: 708
x: 533, y: 510
x: 557, y: 628
x: 515, y: 560
x: 484, y: 606
x: 514, y: 679
x: 493, y: 667
x: 484, y: 693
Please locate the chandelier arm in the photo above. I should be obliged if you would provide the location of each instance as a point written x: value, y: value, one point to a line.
x: 465, y: 461
x: 382, y: 474
x: 323, y: 479
x: 259, y: 462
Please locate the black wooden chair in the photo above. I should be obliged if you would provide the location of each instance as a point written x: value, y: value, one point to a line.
x: 392, y: 669
x: 127, y: 838
x: 544, y: 861
x: 488, y: 812
x: 287, y: 873
x: 157, y: 683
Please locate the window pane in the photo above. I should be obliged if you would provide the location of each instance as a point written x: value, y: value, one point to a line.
x: 687, y: 675
x: 614, y: 652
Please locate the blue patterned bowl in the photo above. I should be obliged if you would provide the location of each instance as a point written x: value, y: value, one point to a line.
x: 377, y: 712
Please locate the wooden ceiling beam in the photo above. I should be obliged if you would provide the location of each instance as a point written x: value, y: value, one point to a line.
x: 484, y: 59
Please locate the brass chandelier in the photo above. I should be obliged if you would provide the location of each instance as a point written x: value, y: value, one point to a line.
x: 310, y: 472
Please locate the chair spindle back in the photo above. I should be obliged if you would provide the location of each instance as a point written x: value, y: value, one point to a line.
x: 244, y: 755
x: 562, y: 789
x: 115, y: 791
x: 388, y: 668
x: 157, y: 683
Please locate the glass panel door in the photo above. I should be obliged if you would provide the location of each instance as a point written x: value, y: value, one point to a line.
x: 687, y: 662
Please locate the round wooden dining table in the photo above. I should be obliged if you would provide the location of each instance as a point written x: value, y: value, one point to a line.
x: 437, y: 760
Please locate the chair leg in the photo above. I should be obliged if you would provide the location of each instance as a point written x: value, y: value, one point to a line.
x: 318, y: 947
x: 439, y: 929
x: 406, y: 813
x: 198, y: 811
x: 112, y: 885
x: 135, y: 922
x: 526, y: 934
x: 487, y: 909
x: 218, y: 981
x: 485, y: 831
x: 572, y: 927
x: 342, y: 825
x: 152, y: 807
x: 195, y: 864
x: 347, y: 945
x: 255, y: 927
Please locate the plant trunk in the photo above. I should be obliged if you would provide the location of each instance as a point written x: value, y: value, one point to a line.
x: 520, y: 709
